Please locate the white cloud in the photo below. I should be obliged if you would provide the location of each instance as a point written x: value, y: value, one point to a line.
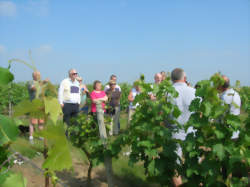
x: 7, y: 8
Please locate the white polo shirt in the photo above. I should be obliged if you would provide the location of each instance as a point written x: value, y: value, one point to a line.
x: 231, y: 97
x: 184, y: 99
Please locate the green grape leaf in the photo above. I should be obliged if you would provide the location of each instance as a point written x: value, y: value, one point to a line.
x: 16, y: 180
x: 34, y: 109
x: 151, y: 152
x: 195, y: 104
x: 219, y: 134
x: 191, y: 171
x: 151, y: 168
x: 5, y: 76
x: 207, y: 108
x: 218, y: 149
x: 234, y: 121
x: 59, y: 157
x: 145, y: 144
x: 176, y: 112
x: 53, y: 108
x: 8, y: 130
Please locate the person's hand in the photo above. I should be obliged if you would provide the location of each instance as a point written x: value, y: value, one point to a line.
x: 46, y: 80
x: 62, y: 105
x: 152, y: 97
x: 33, y: 87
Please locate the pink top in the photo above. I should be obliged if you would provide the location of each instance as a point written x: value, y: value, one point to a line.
x: 96, y: 95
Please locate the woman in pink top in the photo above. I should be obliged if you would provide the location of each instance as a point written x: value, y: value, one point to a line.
x: 97, y: 95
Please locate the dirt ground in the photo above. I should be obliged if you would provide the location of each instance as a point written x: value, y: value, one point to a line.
x: 75, y: 178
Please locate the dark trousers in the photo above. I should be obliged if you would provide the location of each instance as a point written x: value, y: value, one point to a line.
x: 70, y: 110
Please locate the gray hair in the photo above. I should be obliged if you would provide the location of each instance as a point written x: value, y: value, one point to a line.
x: 71, y: 70
x: 177, y: 74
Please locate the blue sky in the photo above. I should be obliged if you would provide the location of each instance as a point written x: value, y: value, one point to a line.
x: 126, y: 38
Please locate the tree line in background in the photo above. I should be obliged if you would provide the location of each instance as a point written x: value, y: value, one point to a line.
x: 14, y: 93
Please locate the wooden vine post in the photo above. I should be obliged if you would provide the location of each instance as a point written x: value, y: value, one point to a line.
x: 103, y: 135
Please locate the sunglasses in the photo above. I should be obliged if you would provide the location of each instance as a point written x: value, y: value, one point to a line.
x: 74, y: 73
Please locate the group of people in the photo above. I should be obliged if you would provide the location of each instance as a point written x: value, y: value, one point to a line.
x: 72, y: 93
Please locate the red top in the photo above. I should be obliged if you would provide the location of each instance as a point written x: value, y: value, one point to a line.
x: 97, y: 95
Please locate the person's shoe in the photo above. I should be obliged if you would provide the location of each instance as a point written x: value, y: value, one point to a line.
x: 110, y: 133
x: 31, y: 140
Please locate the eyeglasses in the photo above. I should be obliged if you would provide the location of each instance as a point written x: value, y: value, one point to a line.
x: 112, y: 84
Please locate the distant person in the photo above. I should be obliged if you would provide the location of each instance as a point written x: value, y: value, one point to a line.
x: 183, y: 101
x: 69, y: 96
x: 114, y: 96
x: 232, y: 98
x: 84, y: 94
x: 97, y: 95
x: 113, y: 78
x: 164, y: 75
x: 158, y: 80
x: 34, y: 94
x: 131, y: 97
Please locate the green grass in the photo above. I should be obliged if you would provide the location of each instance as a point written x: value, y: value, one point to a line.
x: 130, y: 174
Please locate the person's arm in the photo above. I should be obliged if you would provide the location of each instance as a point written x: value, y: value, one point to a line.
x: 104, y: 99
x: 106, y: 88
x: 31, y: 86
x: 60, y: 94
x: 120, y: 90
x: 85, y: 88
x: 46, y: 81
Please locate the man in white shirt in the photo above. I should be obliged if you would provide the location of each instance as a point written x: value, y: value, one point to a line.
x: 232, y: 98
x: 112, y: 78
x: 184, y: 99
x: 69, y: 96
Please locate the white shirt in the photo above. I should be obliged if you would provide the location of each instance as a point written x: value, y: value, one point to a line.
x: 184, y: 99
x: 231, y: 97
x: 116, y: 86
x: 134, y: 93
x: 69, y: 92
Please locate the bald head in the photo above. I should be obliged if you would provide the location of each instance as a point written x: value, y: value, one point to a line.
x: 158, y: 78
x: 36, y: 75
